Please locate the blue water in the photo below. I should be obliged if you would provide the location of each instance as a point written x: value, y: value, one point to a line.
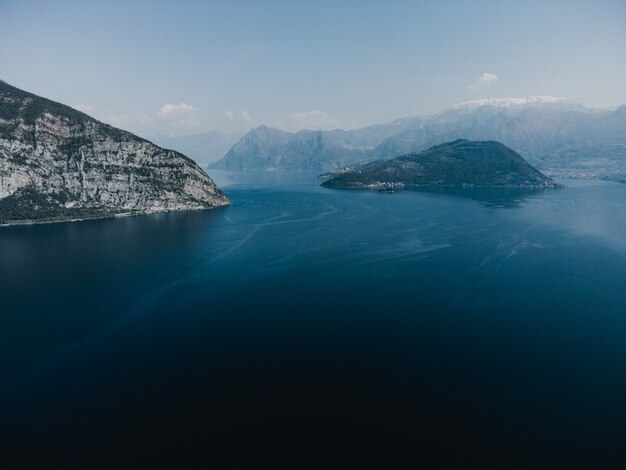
x: 321, y: 327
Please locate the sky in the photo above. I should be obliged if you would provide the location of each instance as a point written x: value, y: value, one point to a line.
x: 184, y: 67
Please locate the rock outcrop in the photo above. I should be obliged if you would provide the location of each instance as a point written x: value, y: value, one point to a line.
x: 57, y: 163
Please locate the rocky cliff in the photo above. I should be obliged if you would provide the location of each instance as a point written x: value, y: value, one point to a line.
x: 57, y: 163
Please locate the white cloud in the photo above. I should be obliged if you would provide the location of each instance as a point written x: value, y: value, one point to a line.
x: 484, y: 81
x: 168, y: 111
x: 313, y: 120
x: 83, y: 108
x: 169, y: 119
x: 238, y: 120
x: 177, y: 119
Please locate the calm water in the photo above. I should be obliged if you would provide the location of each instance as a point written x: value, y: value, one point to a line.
x: 321, y: 327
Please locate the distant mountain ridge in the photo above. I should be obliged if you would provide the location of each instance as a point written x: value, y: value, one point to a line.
x: 459, y: 163
x: 552, y: 133
x: 265, y: 147
x: 271, y: 148
x: 204, y: 148
x: 57, y: 163
x: 512, y: 102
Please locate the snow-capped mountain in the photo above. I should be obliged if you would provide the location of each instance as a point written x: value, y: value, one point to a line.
x: 509, y: 103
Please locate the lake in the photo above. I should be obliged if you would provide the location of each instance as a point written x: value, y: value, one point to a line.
x: 317, y: 327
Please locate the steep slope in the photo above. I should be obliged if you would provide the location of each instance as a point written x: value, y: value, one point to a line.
x: 57, y: 163
x: 458, y: 163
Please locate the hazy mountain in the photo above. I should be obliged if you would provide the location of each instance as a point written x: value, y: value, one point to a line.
x: 58, y: 163
x: 204, y: 148
x: 549, y: 132
x: 458, y: 163
x: 552, y: 133
x: 265, y: 147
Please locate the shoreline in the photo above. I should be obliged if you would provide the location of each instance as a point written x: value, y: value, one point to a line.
x: 104, y: 217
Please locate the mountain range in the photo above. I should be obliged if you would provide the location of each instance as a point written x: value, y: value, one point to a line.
x: 554, y: 134
x: 57, y: 163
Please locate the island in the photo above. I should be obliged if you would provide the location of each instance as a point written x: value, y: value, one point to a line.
x: 461, y: 163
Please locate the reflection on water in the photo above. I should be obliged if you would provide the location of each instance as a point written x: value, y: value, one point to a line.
x: 305, y: 322
x: 506, y: 198
x: 273, y: 179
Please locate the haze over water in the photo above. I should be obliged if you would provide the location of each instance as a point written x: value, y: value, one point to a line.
x: 469, y: 325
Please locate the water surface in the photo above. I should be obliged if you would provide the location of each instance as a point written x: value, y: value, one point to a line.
x: 321, y: 327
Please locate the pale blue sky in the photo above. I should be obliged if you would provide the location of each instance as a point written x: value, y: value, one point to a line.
x: 233, y: 65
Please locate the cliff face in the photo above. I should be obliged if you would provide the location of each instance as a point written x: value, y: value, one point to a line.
x: 57, y: 163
